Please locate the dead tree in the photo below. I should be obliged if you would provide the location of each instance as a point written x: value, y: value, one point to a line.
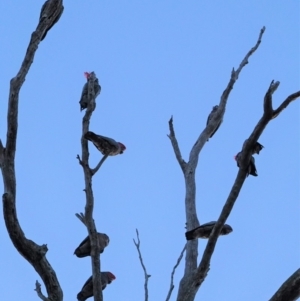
x: 195, y: 275
x: 32, y: 252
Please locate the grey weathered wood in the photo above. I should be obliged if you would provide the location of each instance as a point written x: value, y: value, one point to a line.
x: 289, y: 290
x: 173, y: 272
x: 32, y: 252
x: 191, y: 280
x: 147, y: 276
x: 89, y: 207
x: 195, y: 275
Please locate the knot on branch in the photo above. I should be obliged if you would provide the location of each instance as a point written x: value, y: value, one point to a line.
x: 43, y: 249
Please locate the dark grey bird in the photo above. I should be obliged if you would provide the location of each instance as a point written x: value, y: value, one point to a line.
x: 107, y: 146
x: 205, y: 230
x: 251, y: 168
x: 51, y: 9
x: 84, y: 100
x: 210, y: 116
x: 84, y: 249
x: 87, y: 289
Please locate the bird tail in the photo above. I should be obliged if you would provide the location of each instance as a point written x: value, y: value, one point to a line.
x: 252, y: 170
x: 90, y: 136
x: 80, y: 254
x: 80, y: 297
x: 189, y: 235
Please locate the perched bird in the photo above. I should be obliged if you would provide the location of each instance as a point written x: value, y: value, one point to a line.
x: 84, y: 249
x: 52, y: 9
x: 107, y: 146
x: 210, y: 116
x: 87, y: 289
x: 84, y: 101
x: 205, y: 230
x: 257, y: 148
x: 251, y: 168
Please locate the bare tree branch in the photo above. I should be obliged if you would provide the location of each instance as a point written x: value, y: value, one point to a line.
x: 81, y: 217
x: 32, y: 252
x: 94, y: 170
x: 192, y: 280
x: 79, y: 160
x: 204, y: 265
x: 289, y: 290
x: 218, y: 116
x: 39, y: 291
x: 147, y: 276
x: 268, y: 109
x: 173, y: 272
x: 89, y: 207
x: 288, y: 100
x: 175, y: 145
x: 251, y: 51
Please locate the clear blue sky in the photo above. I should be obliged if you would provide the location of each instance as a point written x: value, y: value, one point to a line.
x: 154, y: 59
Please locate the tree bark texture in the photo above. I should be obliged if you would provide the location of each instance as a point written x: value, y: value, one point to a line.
x: 89, y: 207
x: 289, y: 290
x: 195, y: 275
x: 32, y: 252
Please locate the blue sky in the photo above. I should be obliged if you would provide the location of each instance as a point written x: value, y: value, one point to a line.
x: 154, y: 59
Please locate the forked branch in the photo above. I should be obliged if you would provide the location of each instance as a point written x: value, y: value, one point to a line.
x: 81, y: 217
x: 147, y: 276
x: 241, y: 176
x: 191, y: 281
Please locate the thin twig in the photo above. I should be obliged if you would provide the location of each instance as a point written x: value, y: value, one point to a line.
x: 175, y: 145
x: 79, y: 160
x: 244, y: 62
x: 285, y: 103
x: 39, y: 291
x: 173, y: 272
x: 251, y: 51
x: 94, y: 170
x: 81, y: 217
x: 147, y: 276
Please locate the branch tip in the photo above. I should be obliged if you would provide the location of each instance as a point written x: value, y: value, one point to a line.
x: 175, y: 145
x: 81, y: 217
x: 173, y: 272
x: 39, y: 291
x: 147, y: 276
